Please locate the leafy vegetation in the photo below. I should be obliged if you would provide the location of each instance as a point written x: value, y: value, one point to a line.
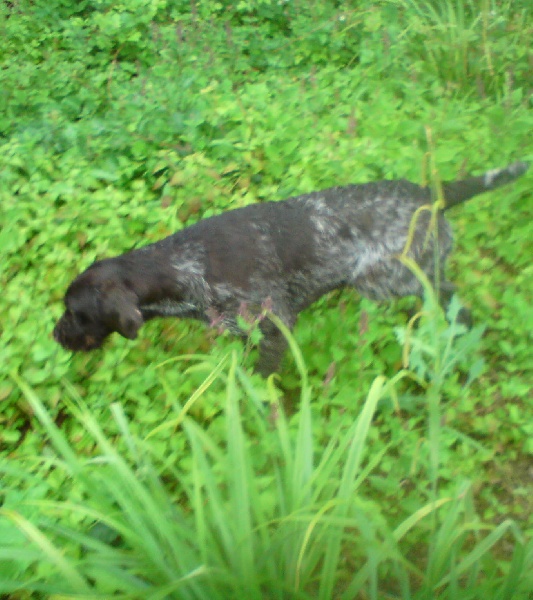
x: 388, y: 462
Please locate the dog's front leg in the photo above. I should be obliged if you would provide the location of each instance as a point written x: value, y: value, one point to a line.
x: 271, y: 351
x: 271, y: 348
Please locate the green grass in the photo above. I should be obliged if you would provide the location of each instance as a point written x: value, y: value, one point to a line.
x: 268, y: 511
x: 261, y: 506
x: 123, y: 122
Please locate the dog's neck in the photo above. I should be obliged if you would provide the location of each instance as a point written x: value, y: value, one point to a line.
x: 147, y: 272
x: 152, y: 275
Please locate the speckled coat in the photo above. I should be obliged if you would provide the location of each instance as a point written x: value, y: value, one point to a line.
x: 284, y: 255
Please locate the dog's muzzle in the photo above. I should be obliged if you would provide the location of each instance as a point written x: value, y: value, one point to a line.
x: 72, y: 336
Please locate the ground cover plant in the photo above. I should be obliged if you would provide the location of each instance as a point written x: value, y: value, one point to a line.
x: 386, y: 462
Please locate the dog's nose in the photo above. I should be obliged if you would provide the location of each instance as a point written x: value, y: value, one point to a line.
x: 90, y: 343
x: 60, y: 335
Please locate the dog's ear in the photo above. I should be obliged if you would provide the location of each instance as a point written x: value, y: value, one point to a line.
x: 121, y: 311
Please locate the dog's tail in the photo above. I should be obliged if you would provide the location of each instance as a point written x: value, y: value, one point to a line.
x: 456, y: 192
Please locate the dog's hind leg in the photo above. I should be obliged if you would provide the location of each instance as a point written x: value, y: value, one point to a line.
x: 446, y: 291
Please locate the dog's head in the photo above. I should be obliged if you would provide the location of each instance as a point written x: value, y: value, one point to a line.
x: 96, y: 305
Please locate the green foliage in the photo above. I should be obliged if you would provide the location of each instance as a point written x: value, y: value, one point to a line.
x: 470, y: 39
x: 283, y: 518
x: 122, y: 122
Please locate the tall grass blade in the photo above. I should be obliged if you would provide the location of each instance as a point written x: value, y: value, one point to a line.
x: 53, y: 554
x: 175, y: 423
x: 346, y: 490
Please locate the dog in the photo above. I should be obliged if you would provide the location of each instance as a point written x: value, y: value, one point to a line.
x: 283, y: 255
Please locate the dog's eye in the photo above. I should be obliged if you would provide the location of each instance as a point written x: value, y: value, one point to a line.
x: 83, y: 318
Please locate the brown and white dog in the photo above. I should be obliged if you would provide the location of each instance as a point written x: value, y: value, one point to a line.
x: 286, y: 254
